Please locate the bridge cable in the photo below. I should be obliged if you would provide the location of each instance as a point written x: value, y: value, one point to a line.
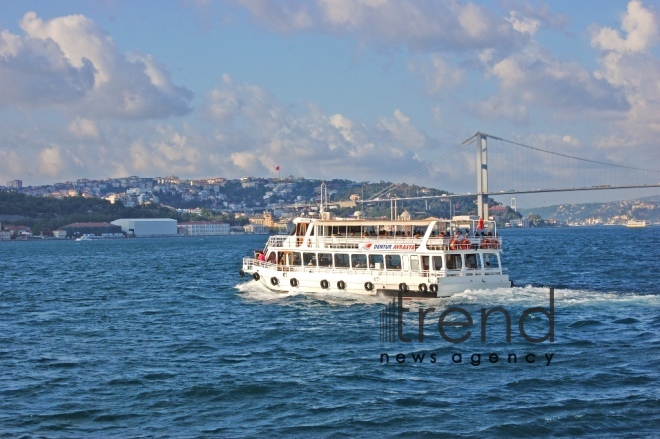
x: 571, y: 157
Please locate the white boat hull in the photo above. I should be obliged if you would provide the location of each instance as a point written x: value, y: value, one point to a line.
x: 370, y: 282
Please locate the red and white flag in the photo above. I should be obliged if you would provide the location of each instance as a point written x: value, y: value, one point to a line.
x: 277, y: 168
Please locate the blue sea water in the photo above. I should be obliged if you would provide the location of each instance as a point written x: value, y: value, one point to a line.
x: 161, y: 338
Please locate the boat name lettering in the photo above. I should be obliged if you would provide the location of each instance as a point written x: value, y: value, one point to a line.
x: 390, y: 247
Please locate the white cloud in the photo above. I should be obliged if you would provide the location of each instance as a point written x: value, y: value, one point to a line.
x: 439, y: 74
x: 51, y: 162
x: 629, y: 65
x: 84, y: 128
x: 257, y: 133
x: 401, y: 128
x: 523, y: 25
x: 170, y: 151
x: 533, y: 80
x: 34, y: 72
x: 420, y: 26
x: 640, y: 26
x: 72, y: 63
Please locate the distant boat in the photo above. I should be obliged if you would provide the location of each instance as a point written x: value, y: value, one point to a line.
x: 637, y: 224
x: 86, y: 237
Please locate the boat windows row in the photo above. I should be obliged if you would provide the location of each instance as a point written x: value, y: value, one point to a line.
x: 377, y: 261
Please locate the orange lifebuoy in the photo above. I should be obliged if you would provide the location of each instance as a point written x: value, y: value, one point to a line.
x: 453, y: 244
x: 485, y: 243
x: 466, y: 244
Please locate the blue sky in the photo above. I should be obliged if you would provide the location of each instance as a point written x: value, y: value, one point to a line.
x: 368, y: 90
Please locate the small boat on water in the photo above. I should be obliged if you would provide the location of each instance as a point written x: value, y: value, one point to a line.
x: 92, y: 237
x: 637, y: 224
x: 420, y: 258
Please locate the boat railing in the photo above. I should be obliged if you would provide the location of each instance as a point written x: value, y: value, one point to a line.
x: 278, y: 240
x: 353, y: 242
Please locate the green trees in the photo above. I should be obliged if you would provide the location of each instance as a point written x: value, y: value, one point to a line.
x: 47, y: 214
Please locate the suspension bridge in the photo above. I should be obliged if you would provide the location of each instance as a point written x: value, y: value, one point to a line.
x: 506, y: 167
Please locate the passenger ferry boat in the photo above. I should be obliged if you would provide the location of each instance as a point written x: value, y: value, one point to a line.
x: 637, y: 224
x: 421, y: 258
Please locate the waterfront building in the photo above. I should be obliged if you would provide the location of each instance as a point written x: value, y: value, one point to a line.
x: 203, y: 228
x: 147, y: 227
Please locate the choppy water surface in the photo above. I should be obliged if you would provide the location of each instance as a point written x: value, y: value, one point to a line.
x: 159, y: 338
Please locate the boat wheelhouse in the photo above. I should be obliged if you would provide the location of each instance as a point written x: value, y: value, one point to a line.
x: 421, y: 258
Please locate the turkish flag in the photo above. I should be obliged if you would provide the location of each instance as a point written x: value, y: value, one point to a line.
x: 277, y: 169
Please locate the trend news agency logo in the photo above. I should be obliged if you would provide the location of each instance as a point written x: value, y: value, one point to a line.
x: 392, y: 327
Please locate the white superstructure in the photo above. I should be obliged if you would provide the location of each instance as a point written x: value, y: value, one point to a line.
x: 422, y: 258
x: 637, y: 224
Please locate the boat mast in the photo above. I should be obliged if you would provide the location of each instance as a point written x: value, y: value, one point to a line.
x: 324, y: 198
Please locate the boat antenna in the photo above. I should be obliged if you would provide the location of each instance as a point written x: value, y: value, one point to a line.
x: 324, y: 195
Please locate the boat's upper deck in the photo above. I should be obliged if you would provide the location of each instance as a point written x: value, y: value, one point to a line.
x: 459, y: 233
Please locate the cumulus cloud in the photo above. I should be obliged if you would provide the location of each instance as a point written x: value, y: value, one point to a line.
x: 72, y: 63
x: 628, y: 64
x: 83, y: 128
x: 35, y: 72
x: 257, y: 133
x: 639, y: 25
x: 437, y: 25
x: 170, y: 151
x: 51, y: 162
x: 439, y: 74
x: 530, y: 80
x: 529, y: 18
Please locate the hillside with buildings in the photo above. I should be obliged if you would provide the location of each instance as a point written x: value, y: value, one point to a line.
x: 260, y: 205
x: 616, y: 212
x: 246, y: 205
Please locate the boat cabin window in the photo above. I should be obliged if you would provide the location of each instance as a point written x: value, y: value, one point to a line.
x: 309, y: 259
x: 359, y: 261
x: 393, y: 262
x: 376, y: 261
x: 437, y: 262
x: 296, y: 259
x: 272, y: 257
x: 491, y: 261
x: 472, y: 261
x: 325, y: 259
x: 425, y: 263
x: 342, y: 260
x: 454, y: 262
x: 414, y: 263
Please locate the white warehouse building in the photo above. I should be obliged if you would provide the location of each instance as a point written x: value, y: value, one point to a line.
x: 144, y: 227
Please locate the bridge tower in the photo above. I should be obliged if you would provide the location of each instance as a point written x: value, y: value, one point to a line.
x: 482, y: 175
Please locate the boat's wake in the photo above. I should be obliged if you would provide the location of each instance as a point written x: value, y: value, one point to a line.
x: 254, y: 290
x: 523, y: 296
x: 563, y: 297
